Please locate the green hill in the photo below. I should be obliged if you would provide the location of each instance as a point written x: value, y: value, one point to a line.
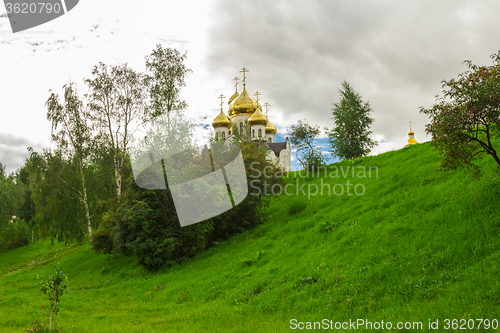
x: 419, y: 244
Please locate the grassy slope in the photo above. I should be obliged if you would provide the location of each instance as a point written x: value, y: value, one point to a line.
x: 419, y: 244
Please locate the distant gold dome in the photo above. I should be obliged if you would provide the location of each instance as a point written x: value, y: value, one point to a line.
x: 411, y: 139
x: 244, y: 104
x: 221, y: 120
x: 258, y: 118
x: 270, y: 128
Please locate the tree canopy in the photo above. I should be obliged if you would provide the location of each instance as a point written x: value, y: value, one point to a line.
x: 302, y: 136
x: 350, y: 136
x: 466, y: 118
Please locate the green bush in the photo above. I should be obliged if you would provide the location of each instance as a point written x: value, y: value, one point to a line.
x: 14, y: 234
x: 102, y: 239
x: 146, y: 223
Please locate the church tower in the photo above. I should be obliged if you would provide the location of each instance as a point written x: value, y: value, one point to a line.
x: 411, y: 139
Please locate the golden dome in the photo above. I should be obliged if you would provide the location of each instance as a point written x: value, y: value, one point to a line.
x: 258, y: 118
x: 270, y: 128
x: 244, y: 104
x: 221, y: 120
x: 411, y: 139
x: 236, y: 94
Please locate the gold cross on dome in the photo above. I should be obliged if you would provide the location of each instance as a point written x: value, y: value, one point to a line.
x: 244, y: 70
x: 267, y: 105
x: 257, y: 93
x: 410, y: 125
x: 221, y: 97
x: 236, y: 79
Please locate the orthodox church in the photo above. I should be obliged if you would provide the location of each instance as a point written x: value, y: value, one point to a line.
x: 243, y: 108
x: 411, y: 138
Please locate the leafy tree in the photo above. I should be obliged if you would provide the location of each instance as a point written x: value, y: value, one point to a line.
x: 11, y: 196
x: 350, y: 135
x: 27, y: 209
x: 14, y: 234
x: 302, y: 136
x: 72, y: 134
x: 119, y: 100
x: 117, y: 105
x: 466, y: 119
x: 165, y: 76
x: 54, y: 184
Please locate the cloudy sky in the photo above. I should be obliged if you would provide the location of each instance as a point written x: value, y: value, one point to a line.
x: 394, y: 53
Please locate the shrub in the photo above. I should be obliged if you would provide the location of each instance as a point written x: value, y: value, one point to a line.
x: 53, y: 286
x: 146, y: 223
x: 102, y: 239
x: 14, y: 234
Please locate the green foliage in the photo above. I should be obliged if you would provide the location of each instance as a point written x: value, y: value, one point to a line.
x: 53, y: 286
x: 147, y: 227
x: 102, y: 239
x: 73, y: 138
x: 302, y: 138
x: 2, y: 171
x: 146, y: 223
x: 350, y: 136
x: 117, y: 107
x: 12, y: 197
x: 27, y: 209
x: 14, y: 234
x: 165, y: 77
x: 55, y: 184
x: 466, y: 119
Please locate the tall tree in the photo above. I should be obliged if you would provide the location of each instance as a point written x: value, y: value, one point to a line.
x: 72, y: 134
x: 350, y: 136
x: 54, y: 182
x: 302, y: 137
x: 166, y: 75
x: 466, y: 119
x: 118, y: 108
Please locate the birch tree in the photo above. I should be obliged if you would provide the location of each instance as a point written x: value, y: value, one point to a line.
x: 166, y: 74
x: 123, y: 100
x: 117, y: 103
x: 72, y: 133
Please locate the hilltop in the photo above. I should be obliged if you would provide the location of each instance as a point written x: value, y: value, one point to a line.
x: 410, y: 244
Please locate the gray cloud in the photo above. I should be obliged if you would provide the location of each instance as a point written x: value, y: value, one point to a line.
x: 395, y: 53
x: 10, y: 140
x: 13, y: 151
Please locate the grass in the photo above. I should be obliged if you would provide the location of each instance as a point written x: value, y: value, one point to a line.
x: 418, y: 245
